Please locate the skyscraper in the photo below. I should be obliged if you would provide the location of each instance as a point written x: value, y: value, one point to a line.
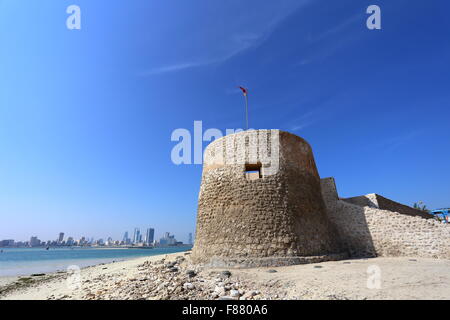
x: 61, y: 237
x: 125, y: 237
x: 190, y: 238
x: 149, y: 236
x: 136, y: 235
x: 34, y: 241
x: 167, y: 239
x: 70, y: 241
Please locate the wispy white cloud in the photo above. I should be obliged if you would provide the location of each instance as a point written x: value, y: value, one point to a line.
x: 171, y: 68
x: 241, y: 44
x: 392, y: 143
x: 341, y: 27
x: 331, y: 44
x: 318, y: 110
x: 306, y: 120
x: 245, y: 31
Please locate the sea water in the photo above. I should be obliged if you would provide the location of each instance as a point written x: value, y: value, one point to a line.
x: 26, y: 261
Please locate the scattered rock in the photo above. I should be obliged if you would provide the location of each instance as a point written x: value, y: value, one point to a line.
x: 226, y: 274
x: 191, y: 273
x: 272, y: 271
x: 214, y: 295
x: 169, y: 280
x: 234, y: 293
x: 188, y: 286
x: 220, y: 291
x: 250, y: 294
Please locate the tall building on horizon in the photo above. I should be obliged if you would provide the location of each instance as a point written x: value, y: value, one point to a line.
x: 125, y: 237
x: 149, y: 236
x: 190, y: 238
x: 167, y: 239
x: 70, y: 241
x: 61, y: 237
x: 136, y: 236
x: 34, y: 241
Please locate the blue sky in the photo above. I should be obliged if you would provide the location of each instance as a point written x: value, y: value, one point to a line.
x: 86, y: 115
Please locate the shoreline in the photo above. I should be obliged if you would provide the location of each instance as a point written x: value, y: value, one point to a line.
x: 12, y: 287
x: 173, y: 276
x: 26, y: 268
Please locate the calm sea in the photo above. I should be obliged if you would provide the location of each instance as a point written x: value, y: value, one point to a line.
x: 25, y: 261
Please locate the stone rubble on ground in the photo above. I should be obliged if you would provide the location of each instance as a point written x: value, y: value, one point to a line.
x: 176, y: 280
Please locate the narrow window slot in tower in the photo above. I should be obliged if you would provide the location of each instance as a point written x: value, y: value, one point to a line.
x: 253, y: 171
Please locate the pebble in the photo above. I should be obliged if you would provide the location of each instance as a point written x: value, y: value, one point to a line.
x: 250, y: 294
x: 191, y: 273
x: 234, y: 293
x: 220, y: 291
x: 226, y: 273
x: 188, y: 286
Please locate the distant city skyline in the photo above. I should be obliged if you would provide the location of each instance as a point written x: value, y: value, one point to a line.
x: 63, y: 236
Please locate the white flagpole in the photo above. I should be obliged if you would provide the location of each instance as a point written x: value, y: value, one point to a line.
x: 246, y: 110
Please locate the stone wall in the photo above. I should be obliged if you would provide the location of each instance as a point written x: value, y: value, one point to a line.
x: 368, y: 231
x: 269, y: 220
x: 376, y: 201
x: 369, y: 200
x: 387, y: 204
x: 262, y: 203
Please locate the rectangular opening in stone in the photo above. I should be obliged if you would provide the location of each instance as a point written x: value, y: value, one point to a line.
x: 253, y: 171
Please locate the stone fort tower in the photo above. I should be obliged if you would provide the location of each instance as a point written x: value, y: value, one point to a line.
x: 260, y: 203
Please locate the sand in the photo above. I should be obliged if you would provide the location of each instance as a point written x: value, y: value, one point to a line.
x: 61, y: 287
x: 399, y: 278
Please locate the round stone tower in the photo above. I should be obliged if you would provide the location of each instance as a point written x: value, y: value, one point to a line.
x: 260, y: 203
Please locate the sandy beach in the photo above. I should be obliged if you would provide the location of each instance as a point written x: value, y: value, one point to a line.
x: 56, y: 284
x: 172, y: 276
